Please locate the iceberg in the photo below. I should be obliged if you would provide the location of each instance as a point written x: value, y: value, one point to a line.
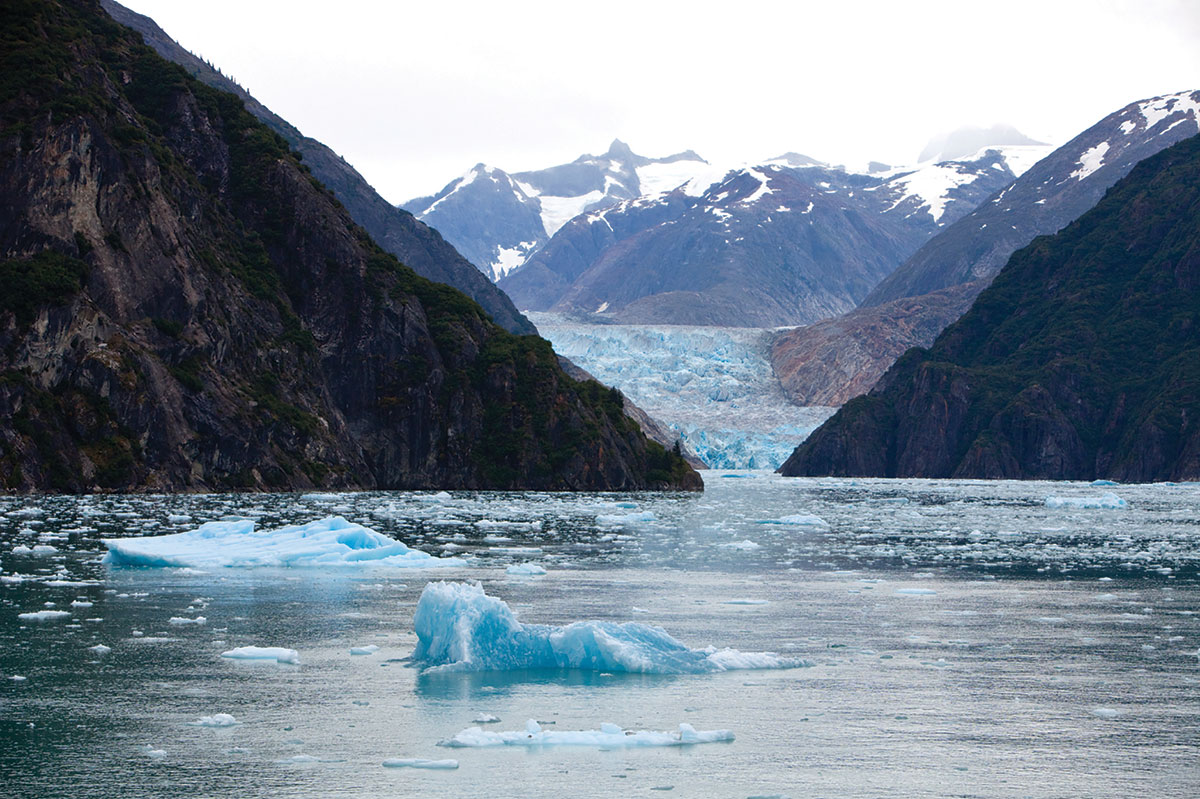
x: 277, y: 653
x: 369, y: 649
x: 1105, y: 500
x: 609, y: 736
x: 460, y: 628
x: 216, y: 720
x: 329, y: 542
x: 525, y: 569
x: 44, y: 615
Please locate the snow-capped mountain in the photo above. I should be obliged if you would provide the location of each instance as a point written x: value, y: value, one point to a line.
x: 787, y: 242
x: 496, y: 219
x: 967, y: 140
x: 830, y: 362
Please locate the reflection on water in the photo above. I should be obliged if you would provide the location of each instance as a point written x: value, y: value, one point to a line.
x: 967, y: 640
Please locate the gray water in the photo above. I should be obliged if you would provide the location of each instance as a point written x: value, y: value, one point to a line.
x: 965, y: 640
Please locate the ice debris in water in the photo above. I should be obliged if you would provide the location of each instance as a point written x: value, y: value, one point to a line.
x: 485, y: 718
x: 1106, y: 500
x: 152, y: 753
x: 460, y: 628
x: 277, y: 653
x: 217, y: 720
x: 199, y: 621
x: 1105, y: 712
x: 609, y: 736
x: 417, y: 762
x: 328, y: 542
x: 798, y: 520
x: 744, y: 545
x: 100, y: 649
x: 525, y: 569
x: 369, y: 649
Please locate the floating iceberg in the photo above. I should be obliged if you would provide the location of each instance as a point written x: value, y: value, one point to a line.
x: 44, y: 615
x: 100, y: 650
x: 216, y: 720
x: 369, y: 649
x: 609, y: 736
x: 1106, y: 500
x: 277, y: 653
x: 460, y: 628
x: 526, y: 569
x: 329, y: 542
x: 417, y: 762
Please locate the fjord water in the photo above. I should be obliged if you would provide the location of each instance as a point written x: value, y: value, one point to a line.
x: 965, y: 639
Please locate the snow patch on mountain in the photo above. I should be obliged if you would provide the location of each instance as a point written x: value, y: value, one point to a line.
x: 711, y: 385
x: 509, y: 258
x: 931, y: 185
x: 1091, y: 160
x: 1159, y: 108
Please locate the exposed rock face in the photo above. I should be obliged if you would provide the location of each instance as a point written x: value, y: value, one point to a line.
x: 414, y: 243
x: 841, y: 358
x: 1080, y: 361
x: 831, y: 361
x: 187, y: 307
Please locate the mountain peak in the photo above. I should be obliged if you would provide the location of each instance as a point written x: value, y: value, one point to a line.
x: 619, y: 149
x: 972, y: 139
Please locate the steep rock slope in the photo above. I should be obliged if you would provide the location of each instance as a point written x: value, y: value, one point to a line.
x: 497, y: 219
x: 769, y: 245
x: 187, y: 307
x: 1081, y: 361
x: 414, y: 243
x: 839, y: 359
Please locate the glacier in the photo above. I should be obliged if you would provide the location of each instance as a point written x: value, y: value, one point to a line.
x: 461, y: 628
x: 712, y: 386
x: 328, y: 542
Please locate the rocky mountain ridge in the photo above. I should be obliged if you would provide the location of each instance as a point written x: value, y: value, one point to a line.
x: 830, y: 362
x: 188, y: 308
x: 1080, y: 360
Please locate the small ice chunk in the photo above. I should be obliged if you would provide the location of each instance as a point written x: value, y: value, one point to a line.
x: 369, y: 649
x: 277, y: 653
x: 746, y: 601
x: 18, y: 678
x: 180, y: 620
x: 745, y: 545
x: 485, y: 718
x: 1105, y: 712
x: 80, y: 603
x: 609, y: 736
x: 100, y: 649
x: 44, y: 615
x: 417, y: 762
x: 178, y: 518
x: 152, y: 753
x: 916, y: 591
x: 440, y: 496
x: 218, y: 720
x: 525, y: 569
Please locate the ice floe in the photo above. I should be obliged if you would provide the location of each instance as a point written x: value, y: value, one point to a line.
x: 369, y: 649
x: 417, y: 762
x: 460, y: 628
x: 44, y: 615
x: 216, y: 720
x: 100, y: 649
x: 277, y: 653
x: 1106, y: 500
x: 526, y: 569
x: 329, y: 542
x: 609, y: 736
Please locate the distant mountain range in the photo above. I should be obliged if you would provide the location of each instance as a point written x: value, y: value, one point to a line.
x: 833, y: 360
x: 497, y: 219
x: 1082, y: 358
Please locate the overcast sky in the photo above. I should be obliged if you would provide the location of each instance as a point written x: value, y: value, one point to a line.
x: 414, y: 94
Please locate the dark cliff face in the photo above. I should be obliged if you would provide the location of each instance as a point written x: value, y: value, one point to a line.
x: 416, y: 245
x: 187, y: 307
x: 1081, y: 361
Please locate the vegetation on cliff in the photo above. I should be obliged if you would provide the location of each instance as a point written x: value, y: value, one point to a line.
x: 187, y: 307
x: 1081, y: 361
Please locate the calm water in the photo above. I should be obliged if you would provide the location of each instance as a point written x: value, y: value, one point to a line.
x: 966, y: 640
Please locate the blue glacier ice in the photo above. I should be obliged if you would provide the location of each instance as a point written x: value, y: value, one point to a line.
x: 460, y: 628
x: 712, y: 386
x: 329, y: 542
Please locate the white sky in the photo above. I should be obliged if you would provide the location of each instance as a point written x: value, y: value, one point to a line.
x: 414, y: 94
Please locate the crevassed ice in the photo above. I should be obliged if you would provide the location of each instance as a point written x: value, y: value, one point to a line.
x: 460, y: 628
x: 332, y: 541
